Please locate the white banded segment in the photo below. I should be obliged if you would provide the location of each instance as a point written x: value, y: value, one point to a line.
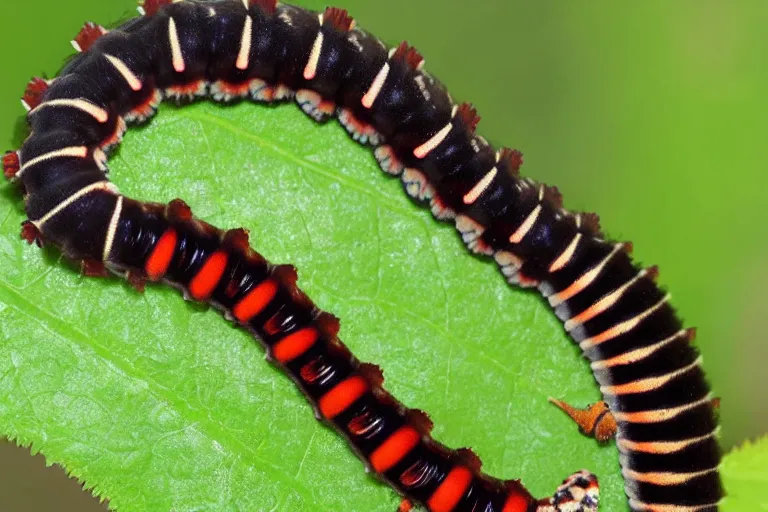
x: 378, y: 82
x: 664, y: 478
x: 636, y: 355
x: 512, y: 214
x: 177, y: 57
x: 310, y: 70
x: 98, y: 113
x: 99, y: 185
x: 243, y: 55
x: 567, y: 255
x: 434, y: 141
x: 480, y: 187
x: 602, y: 305
x: 648, y: 384
x: 660, y: 447
x: 525, y: 226
x: 129, y: 76
x: 622, y: 327
x: 72, y: 151
x: 112, y: 228
x: 584, y: 281
x: 659, y: 415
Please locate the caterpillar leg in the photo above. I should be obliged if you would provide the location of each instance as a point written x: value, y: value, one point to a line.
x: 31, y: 234
x: 93, y: 268
x: 405, y: 506
x: 595, y: 420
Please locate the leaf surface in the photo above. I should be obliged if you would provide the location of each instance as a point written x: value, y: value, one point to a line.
x: 745, y: 473
x: 161, y: 404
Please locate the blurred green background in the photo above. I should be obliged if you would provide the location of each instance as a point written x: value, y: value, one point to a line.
x: 649, y: 113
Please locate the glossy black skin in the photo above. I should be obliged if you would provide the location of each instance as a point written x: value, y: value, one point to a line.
x: 411, y: 107
x: 290, y: 310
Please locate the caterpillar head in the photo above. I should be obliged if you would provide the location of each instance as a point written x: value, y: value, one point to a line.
x: 578, y: 493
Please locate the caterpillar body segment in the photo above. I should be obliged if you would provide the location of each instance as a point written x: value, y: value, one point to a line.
x: 263, y: 51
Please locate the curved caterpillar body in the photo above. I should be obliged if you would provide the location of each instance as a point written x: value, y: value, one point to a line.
x: 641, y: 356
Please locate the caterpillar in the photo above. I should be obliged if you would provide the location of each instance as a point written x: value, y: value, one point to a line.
x: 640, y: 353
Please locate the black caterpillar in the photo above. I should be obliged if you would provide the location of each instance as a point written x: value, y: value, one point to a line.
x: 641, y: 356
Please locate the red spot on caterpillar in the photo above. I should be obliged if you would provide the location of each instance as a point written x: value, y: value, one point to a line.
x: 160, y: 258
x: 206, y: 279
x: 467, y: 114
x: 31, y: 234
x: 295, y: 344
x: 652, y: 272
x: 255, y: 301
x: 409, y: 55
x: 515, y: 503
x: 394, y: 448
x: 512, y: 159
x: 152, y: 6
x: 87, y: 36
x: 93, y: 268
x: 268, y: 6
x: 342, y: 395
x: 34, y: 92
x: 338, y: 19
x: 450, y: 490
x: 178, y: 211
x: 11, y: 164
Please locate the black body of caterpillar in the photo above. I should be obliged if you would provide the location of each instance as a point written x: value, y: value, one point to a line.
x: 641, y: 356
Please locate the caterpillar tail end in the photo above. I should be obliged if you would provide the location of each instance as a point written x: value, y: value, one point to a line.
x: 580, y: 492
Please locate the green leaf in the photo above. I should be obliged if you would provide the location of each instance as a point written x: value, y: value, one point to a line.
x: 161, y: 404
x: 745, y: 474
